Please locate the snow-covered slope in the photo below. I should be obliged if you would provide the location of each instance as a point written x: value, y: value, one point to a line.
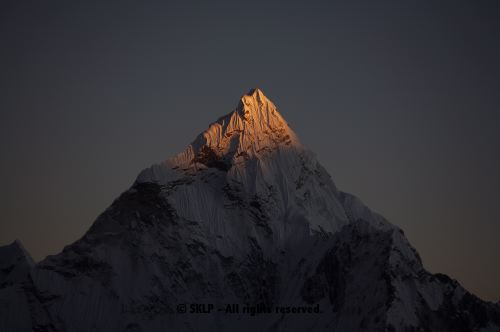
x: 245, y: 215
x: 20, y: 307
x: 253, y: 152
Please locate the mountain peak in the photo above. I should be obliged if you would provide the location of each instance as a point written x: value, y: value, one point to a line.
x: 255, y: 106
x: 15, y: 262
x: 254, y: 94
x: 255, y: 127
x: 255, y: 91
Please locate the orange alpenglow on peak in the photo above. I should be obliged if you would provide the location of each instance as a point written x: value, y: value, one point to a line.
x: 253, y: 128
x: 255, y: 105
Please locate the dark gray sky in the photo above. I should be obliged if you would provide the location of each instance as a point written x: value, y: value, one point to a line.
x: 399, y: 99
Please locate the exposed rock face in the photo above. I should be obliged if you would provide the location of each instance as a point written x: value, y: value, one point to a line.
x: 245, y: 215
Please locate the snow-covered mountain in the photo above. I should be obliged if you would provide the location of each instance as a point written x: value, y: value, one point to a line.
x: 245, y: 215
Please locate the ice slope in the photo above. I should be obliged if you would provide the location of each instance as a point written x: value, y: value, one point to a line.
x: 251, y: 151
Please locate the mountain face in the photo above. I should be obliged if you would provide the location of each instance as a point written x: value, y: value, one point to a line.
x: 244, y: 230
